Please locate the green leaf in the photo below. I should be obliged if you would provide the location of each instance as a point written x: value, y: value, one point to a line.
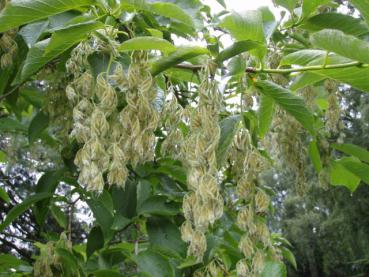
x: 363, y: 7
x: 172, y: 11
x: 315, y: 156
x: 95, y: 240
x: 288, y: 255
x: 18, y: 13
x: 3, y: 157
x: 64, y: 38
x: 154, y: 264
x: 247, y: 26
x: 181, y: 55
x: 158, y: 205
x: 302, y: 57
x: 274, y: 269
x: 291, y: 103
x: 59, y: 216
x: 354, y: 150
x: 47, y: 183
x: 310, y: 6
x: 345, y: 23
x: 46, y: 50
x: 8, y: 261
x: 22, y: 207
x: 68, y: 259
x: 107, y: 273
x: 164, y: 234
x: 288, y: 4
x: 120, y: 222
x: 236, y: 66
x: 38, y: 124
x: 33, y: 96
x: 228, y: 129
x: 11, y: 125
x: 236, y: 48
x: 176, y: 172
x: 265, y: 114
x: 4, y: 195
x: 305, y: 79
x: 103, y: 216
x: 344, y: 45
x: 358, y: 168
x: 147, y: 43
x: 340, y: 176
x: 32, y: 32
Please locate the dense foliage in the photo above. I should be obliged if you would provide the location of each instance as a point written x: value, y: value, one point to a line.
x: 126, y: 154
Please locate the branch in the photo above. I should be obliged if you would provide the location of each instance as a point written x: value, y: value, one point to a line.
x: 284, y: 70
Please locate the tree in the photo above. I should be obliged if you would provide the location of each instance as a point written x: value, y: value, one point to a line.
x: 168, y: 154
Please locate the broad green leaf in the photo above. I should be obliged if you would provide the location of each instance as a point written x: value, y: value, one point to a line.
x: 8, y: 261
x: 95, y: 240
x: 361, y: 170
x: 64, y: 38
x: 363, y: 7
x: 173, y: 11
x: 107, y: 273
x: 34, y: 96
x: 228, y: 129
x: 11, y: 125
x: 236, y: 66
x: 355, y: 76
x: 181, y: 55
x: 315, y: 156
x: 59, y: 216
x: 340, y: 176
x: 288, y: 255
x: 46, y: 50
x: 344, y: 45
x: 120, y: 222
x: 125, y: 200
x: 291, y: 103
x: 306, y: 79
x: 265, y: 114
x: 288, y: 4
x: 4, y: 196
x: 155, y: 33
x: 158, y: 205
x: 354, y: 150
x: 38, y: 124
x: 310, y: 6
x: 3, y: 157
x: 345, y: 23
x: 32, y: 32
x: 176, y: 172
x: 68, y: 259
x: 20, y: 12
x: 246, y: 26
x: 274, y: 269
x: 147, y: 43
x: 269, y: 22
x: 236, y: 48
x: 46, y: 184
x: 22, y: 207
x: 154, y: 264
x: 164, y: 234
x: 103, y: 216
x: 302, y: 57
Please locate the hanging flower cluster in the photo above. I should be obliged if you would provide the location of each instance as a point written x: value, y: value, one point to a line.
x: 247, y: 163
x: 111, y: 136
x: 203, y: 205
x: 49, y: 263
x: 9, y: 48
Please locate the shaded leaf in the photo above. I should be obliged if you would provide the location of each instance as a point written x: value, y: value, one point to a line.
x: 154, y: 264
x: 17, y: 13
x: 274, y: 269
x: 315, y: 156
x: 4, y: 195
x: 291, y: 103
x: 228, y: 129
x: 158, y: 205
x: 265, y: 114
x: 38, y: 124
x: 32, y: 32
x: 95, y: 240
x: 363, y: 7
x: 22, y: 207
x: 59, y: 216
